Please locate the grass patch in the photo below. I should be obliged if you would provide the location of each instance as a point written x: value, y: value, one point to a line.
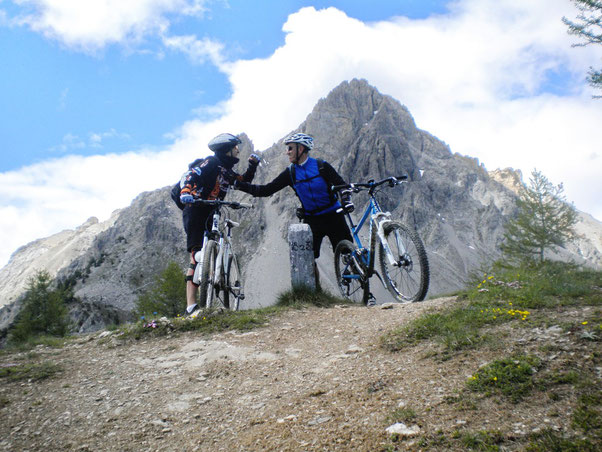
x: 458, y: 328
x: 502, y: 295
x: 301, y: 296
x: 511, y: 377
x: 207, y: 322
x: 29, y: 371
x: 551, y: 441
x: 588, y: 413
x: 549, y: 284
x: 215, y: 321
x: 402, y: 414
x: 33, y: 341
x: 481, y: 440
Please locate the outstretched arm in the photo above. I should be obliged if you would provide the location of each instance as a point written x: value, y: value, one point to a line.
x: 281, y: 181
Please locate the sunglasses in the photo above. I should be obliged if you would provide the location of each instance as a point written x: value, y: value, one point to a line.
x: 290, y: 148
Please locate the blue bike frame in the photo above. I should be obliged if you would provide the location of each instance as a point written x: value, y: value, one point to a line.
x: 366, y: 255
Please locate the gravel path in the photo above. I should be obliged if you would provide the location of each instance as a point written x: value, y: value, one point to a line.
x: 313, y: 379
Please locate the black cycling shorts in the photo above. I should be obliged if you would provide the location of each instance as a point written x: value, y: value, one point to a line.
x: 331, y: 225
x: 195, y: 220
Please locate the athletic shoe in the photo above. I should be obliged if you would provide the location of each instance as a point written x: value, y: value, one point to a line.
x: 194, y: 312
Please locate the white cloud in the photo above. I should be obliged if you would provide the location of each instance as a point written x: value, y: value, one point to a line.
x: 199, y: 51
x: 472, y: 77
x: 92, y: 24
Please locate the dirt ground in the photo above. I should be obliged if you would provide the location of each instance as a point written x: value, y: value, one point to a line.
x: 312, y: 379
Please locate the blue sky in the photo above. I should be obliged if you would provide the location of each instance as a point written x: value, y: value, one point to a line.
x: 93, y: 91
x: 115, y: 99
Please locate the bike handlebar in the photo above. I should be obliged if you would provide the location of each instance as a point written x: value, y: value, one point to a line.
x: 217, y: 202
x: 392, y: 181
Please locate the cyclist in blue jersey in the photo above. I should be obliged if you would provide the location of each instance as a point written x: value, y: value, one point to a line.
x: 208, y: 179
x: 311, y: 180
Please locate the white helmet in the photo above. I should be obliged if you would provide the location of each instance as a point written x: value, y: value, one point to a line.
x: 301, y: 138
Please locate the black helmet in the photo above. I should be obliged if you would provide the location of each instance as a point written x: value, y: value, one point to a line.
x: 223, y: 143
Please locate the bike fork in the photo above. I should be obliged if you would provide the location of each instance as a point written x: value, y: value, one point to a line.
x: 383, y: 240
x: 218, y: 263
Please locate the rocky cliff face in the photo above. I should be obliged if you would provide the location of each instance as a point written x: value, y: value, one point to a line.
x: 457, y: 207
x: 51, y: 254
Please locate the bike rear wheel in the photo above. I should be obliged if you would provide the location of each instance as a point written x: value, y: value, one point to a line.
x: 408, y: 278
x: 207, y: 289
x: 352, y: 284
x: 233, y: 289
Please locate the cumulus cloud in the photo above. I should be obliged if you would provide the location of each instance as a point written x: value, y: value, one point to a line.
x: 91, y: 25
x: 476, y: 77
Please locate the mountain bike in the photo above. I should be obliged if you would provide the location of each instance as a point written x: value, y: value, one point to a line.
x: 218, y: 270
x: 403, y: 261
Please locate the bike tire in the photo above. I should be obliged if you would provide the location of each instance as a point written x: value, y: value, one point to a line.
x: 352, y: 284
x: 233, y: 289
x: 206, y: 289
x: 408, y: 281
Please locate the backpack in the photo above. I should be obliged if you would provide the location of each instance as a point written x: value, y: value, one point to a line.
x: 176, y: 188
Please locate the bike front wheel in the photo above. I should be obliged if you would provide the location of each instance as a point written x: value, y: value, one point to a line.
x: 352, y: 282
x: 207, y: 286
x: 233, y: 290
x: 407, y: 277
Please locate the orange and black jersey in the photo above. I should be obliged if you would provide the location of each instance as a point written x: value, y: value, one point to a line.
x: 212, y: 178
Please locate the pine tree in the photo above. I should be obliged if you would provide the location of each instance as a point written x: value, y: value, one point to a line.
x: 44, y: 311
x: 589, y: 28
x: 167, y: 296
x: 544, y: 221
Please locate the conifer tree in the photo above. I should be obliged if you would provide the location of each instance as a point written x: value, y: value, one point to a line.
x: 167, y: 296
x: 544, y: 221
x: 588, y: 27
x: 44, y: 310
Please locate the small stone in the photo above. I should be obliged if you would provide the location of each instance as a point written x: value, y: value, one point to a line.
x: 353, y: 349
x: 319, y: 420
x: 403, y: 430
